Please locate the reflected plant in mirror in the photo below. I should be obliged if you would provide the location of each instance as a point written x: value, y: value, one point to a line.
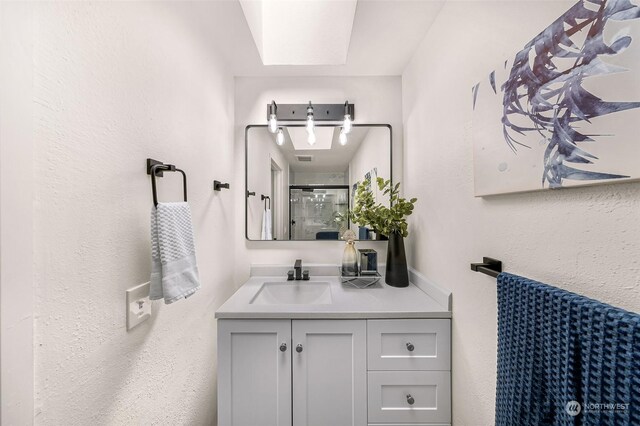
x: 311, y: 187
x: 382, y: 219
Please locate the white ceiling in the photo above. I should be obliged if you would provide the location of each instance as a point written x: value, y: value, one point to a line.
x: 294, y: 32
x: 384, y: 36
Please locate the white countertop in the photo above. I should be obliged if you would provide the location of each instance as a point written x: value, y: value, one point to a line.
x: 377, y: 301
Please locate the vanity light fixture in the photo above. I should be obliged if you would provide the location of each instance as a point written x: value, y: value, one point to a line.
x: 310, y: 113
x: 273, y: 117
x: 280, y: 137
x: 346, y: 126
x: 343, y: 137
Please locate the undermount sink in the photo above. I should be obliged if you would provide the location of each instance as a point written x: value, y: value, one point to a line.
x: 293, y: 293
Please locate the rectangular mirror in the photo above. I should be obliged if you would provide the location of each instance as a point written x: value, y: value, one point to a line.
x: 301, y: 192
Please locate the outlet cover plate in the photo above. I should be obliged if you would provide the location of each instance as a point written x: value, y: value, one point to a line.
x: 138, y: 305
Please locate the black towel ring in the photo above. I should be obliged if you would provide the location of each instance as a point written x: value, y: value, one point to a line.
x: 155, y: 169
x: 264, y: 198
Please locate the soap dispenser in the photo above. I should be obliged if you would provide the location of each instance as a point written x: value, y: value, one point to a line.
x: 350, y: 257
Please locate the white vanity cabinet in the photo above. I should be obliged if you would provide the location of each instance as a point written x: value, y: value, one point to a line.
x: 329, y: 372
x: 379, y: 356
x: 323, y: 367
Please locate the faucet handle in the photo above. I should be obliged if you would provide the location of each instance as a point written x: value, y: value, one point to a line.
x: 305, y: 275
x: 298, y: 268
x: 289, y: 275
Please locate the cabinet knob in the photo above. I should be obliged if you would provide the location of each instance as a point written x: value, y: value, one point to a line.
x: 410, y: 399
x: 410, y: 347
x: 299, y: 348
x: 283, y: 347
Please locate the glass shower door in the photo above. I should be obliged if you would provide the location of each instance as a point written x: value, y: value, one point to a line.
x: 318, y: 212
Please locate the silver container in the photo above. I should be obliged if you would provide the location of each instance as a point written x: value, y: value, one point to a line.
x: 368, y: 261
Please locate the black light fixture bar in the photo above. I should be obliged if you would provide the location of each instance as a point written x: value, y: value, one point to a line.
x: 321, y: 112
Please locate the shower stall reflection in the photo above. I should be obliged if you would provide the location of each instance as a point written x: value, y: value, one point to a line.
x: 318, y: 212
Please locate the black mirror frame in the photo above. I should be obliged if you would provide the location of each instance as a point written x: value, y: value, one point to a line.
x: 246, y: 173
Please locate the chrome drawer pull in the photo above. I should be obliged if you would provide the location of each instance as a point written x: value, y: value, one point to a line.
x: 410, y: 347
x: 299, y: 348
x: 283, y: 347
x: 410, y: 400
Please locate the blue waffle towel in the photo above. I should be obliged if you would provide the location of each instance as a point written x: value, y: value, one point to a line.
x: 556, y: 349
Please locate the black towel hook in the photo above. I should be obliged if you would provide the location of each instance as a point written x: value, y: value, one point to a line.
x: 156, y: 168
x: 218, y: 186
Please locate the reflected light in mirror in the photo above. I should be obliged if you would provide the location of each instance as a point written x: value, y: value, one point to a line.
x: 300, y: 138
x: 343, y: 137
x: 280, y: 137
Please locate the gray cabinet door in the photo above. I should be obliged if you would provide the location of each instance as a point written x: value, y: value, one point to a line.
x: 329, y: 372
x: 254, y: 373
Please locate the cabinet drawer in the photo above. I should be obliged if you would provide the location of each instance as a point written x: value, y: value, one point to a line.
x: 390, y: 394
x: 413, y: 344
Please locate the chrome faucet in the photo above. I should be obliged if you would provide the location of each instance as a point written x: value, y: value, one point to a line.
x: 297, y: 273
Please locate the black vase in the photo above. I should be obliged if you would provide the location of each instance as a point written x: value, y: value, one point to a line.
x: 397, y: 274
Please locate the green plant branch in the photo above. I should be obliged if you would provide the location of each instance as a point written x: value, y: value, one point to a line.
x: 379, y: 217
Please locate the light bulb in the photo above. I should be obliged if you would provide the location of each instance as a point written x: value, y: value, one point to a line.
x: 343, y: 137
x: 273, y: 119
x: 273, y: 123
x: 310, y: 123
x: 312, y: 137
x: 280, y: 137
x: 346, y: 126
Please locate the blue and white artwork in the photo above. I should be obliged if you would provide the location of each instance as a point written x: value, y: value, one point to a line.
x: 565, y: 111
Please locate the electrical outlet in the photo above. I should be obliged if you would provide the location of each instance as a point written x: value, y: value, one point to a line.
x: 138, y: 305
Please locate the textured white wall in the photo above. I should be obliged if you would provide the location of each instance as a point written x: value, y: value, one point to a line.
x: 16, y: 213
x: 116, y: 83
x: 377, y: 99
x: 584, y: 240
